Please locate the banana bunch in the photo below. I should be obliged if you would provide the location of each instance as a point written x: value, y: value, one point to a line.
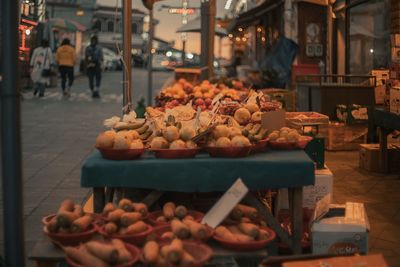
x: 141, y: 127
x: 254, y: 132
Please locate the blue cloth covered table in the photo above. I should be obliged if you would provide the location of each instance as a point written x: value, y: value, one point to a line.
x: 273, y: 169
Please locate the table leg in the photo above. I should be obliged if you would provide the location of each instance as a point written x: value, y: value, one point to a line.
x: 296, y: 197
x: 383, y: 152
x: 269, y: 218
x: 99, y: 197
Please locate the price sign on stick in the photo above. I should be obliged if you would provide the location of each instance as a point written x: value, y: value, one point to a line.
x: 225, y: 204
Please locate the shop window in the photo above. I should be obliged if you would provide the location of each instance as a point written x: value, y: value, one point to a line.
x: 97, y: 25
x: 110, y: 26
x: 368, y: 36
x: 134, y: 28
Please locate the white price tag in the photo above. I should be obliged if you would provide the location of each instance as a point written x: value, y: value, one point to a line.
x: 225, y: 204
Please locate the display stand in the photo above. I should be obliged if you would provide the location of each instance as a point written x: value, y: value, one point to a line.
x: 271, y: 170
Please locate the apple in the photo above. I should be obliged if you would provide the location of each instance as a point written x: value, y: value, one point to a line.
x: 228, y: 99
x: 202, y: 107
x: 199, y: 102
x: 208, y: 101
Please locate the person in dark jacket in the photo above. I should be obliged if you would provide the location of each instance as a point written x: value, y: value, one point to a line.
x: 94, y: 63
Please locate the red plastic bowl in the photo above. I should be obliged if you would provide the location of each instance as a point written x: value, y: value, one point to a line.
x: 199, y: 251
x: 70, y: 239
x: 135, y: 239
x: 135, y: 252
x: 229, y: 152
x: 152, y: 217
x: 120, y: 154
x: 160, y: 230
x: 247, y: 246
x: 175, y: 153
x: 96, y: 218
x: 289, y: 145
x: 260, y: 146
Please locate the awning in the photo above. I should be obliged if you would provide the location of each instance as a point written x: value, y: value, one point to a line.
x: 251, y: 16
x: 195, y: 26
x: 66, y: 24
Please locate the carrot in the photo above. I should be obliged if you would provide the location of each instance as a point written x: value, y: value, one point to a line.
x: 150, y: 252
x: 249, y: 229
x: 83, y: 257
x: 180, y: 229
x: 110, y: 228
x: 188, y: 217
x: 136, y: 228
x: 197, y: 230
x: 109, y: 207
x: 168, y: 235
x: 129, y: 218
x: 236, y: 214
x: 81, y: 224
x: 123, y: 254
x: 115, y: 215
x: 264, y: 234
x: 161, y: 219
x: 173, y: 252
x: 224, y: 233
x: 181, y: 212
x: 52, y: 225
x: 78, y: 210
x: 230, y: 221
x: 245, y: 220
x: 66, y: 205
x: 248, y: 211
x: 125, y: 204
x: 239, y: 235
x: 65, y: 218
x: 161, y: 261
x: 140, y: 207
x: 106, y: 252
x: 169, y: 210
x: 187, y: 259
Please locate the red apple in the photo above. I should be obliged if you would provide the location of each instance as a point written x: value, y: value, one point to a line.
x: 208, y: 101
x: 228, y: 99
x: 202, y: 107
x: 199, y: 102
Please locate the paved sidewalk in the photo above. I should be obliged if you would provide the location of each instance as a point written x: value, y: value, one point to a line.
x: 57, y: 135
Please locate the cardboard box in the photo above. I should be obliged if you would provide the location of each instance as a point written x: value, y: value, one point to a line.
x: 394, y: 105
x: 376, y: 260
x: 312, y: 194
x: 339, y: 229
x: 369, y: 157
x: 381, y: 76
x: 342, y: 137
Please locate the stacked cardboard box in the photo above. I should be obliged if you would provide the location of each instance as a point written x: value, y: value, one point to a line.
x: 369, y: 157
x: 342, y: 137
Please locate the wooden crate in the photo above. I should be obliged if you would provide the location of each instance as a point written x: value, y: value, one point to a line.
x: 342, y: 137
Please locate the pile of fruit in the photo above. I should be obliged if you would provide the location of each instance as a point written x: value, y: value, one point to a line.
x: 100, y: 254
x: 287, y: 135
x: 70, y: 218
x: 126, y: 218
x: 172, y: 212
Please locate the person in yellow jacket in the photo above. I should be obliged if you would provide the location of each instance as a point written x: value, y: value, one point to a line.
x: 65, y: 57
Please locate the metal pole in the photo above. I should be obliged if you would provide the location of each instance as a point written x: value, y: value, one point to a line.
x: 208, y: 10
x: 150, y: 60
x: 127, y: 54
x: 11, y: 137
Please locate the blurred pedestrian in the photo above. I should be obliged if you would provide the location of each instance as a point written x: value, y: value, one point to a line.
x: 94, y: 62
x: 40, y: 66
x: 65, y: 57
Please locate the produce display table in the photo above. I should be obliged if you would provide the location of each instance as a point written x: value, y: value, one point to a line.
x: 269, y: 170
x: 386, y: 122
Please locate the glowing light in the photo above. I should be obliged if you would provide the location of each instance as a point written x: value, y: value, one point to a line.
x: 230, y: 35
x: 153, y: 50
x: 263, y: 39
x: 371, y: 51
x: 189, y: 55
x: 240, y: 29
x: 259, y: 29
x: 169, y: 54
x: 237, y: 39
x: 27, y: 31
x: 244, y: 39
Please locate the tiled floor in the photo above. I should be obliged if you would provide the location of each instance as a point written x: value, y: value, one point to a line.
x: 379, y: 192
